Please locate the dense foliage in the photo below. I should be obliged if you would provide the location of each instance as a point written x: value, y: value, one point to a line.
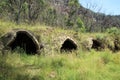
x: 62, y: 13
x: 53, y: 12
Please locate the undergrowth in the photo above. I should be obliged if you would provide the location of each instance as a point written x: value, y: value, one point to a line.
x: 84, y: 66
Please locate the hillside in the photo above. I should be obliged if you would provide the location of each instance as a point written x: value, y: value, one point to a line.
x: 67, y: 14
x: 98, y: 21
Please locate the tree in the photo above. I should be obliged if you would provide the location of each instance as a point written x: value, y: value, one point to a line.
x: 73, y: 12
x: 35, y: 7
x: 18, y: 10
x: 15, y: 8
x: 80, y: 25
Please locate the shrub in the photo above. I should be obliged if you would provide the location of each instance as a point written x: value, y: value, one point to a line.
x: 80, y: 25
x: 113, y: 31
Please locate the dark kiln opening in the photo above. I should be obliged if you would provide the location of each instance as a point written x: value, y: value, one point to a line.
x: 97, y: 44
x: 116, y: 45
x: 25, y: 41
x: 68, y: 45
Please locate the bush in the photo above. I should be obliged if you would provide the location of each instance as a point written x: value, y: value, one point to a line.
x: 80, y: 25
x: 113, y: 31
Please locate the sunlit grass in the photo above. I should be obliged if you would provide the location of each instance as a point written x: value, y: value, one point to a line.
x: 88, y: 66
